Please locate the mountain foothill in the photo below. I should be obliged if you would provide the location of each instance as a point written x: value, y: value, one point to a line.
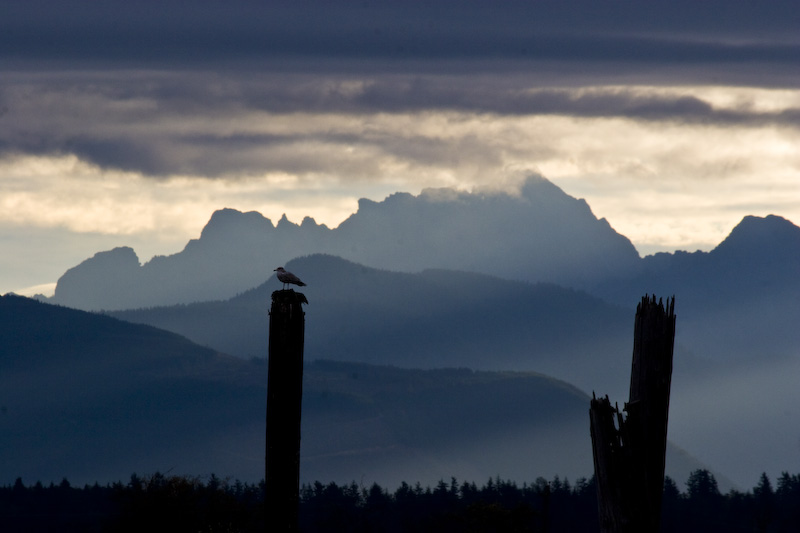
x: 447, y: 334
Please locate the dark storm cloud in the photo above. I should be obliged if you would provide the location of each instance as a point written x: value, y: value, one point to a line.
x: 203, y: 123
x: 155, y: 86
x: 396, y: 95
x: 205, y: 33
x: 142, y: 96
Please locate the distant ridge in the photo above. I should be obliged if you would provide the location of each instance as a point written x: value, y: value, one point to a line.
x: 771, y: 239
x: 542, y: 234
x: 738, y: 300
x: 92, y: 399
x: 736, y: 341
x: 737, y: 305
x: 430, y: 319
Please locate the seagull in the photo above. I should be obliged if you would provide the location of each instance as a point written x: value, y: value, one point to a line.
x: 288, y: 278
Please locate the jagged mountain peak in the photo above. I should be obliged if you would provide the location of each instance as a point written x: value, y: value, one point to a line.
x: 540, y: 234
x: 89, y: 281
x: 310, y: 223
x: 123, y: 254
x: 536, y: 186
x: 227, y: 220
x: 762, y: 235
x: 284, y: 224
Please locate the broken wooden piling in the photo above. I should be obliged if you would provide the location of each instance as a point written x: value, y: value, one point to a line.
x: 629, y: 452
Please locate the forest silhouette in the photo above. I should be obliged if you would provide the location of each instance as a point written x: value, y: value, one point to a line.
x: 179, y: 503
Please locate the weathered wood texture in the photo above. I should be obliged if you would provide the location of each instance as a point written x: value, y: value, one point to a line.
x: 648, y: 406
x: 629, y: 452
x: 609, y: 468
x: 284, y: 402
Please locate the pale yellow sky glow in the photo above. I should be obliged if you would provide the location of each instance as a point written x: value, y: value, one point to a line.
x: 665, y: 184
x: 64, y: 191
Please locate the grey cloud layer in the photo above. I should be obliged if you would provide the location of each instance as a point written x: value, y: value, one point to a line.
x: 477, y: 94
x: 163, y: 89
x: 206, y: 32
x: 202, y: 123
x: 322, y: 102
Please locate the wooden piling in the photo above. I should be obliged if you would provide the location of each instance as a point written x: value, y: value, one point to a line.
x: 284, y: 401
x: 629, y: 452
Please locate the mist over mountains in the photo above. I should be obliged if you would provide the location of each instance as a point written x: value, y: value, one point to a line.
x: 430, y: 319
x: 740, y: 300
x: 439, y: 318
x: 736, y: 301
x: 495, y: 283
x: 541, y: 235
x: 92, y: 398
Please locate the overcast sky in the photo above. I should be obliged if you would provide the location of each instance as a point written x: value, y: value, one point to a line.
x: 129, y: 123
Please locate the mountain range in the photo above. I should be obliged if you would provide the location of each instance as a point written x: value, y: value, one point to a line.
x: 439, y: 318
x: 494, y: 282
x: 92, y: 398
x: 542, y: 234
x: 745, y: 292
x: 746, y: 285
x: 434, y: 318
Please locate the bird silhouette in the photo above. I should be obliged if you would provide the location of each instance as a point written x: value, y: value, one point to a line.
x: 287, y: 278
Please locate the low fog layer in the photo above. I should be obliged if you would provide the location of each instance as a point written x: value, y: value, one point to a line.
x: 440, y: 318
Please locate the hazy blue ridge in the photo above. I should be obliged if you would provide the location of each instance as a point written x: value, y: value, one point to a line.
x: 733, y: 357
x: 736, y: 341
x: 740, y: 300
x: 430, y: 319
x: 743, y: 291
x: 541, y: 235
x: 95, y: 398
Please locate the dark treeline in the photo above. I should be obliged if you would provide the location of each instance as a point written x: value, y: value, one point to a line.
x: 158, y: 503
x: 176, y: 503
